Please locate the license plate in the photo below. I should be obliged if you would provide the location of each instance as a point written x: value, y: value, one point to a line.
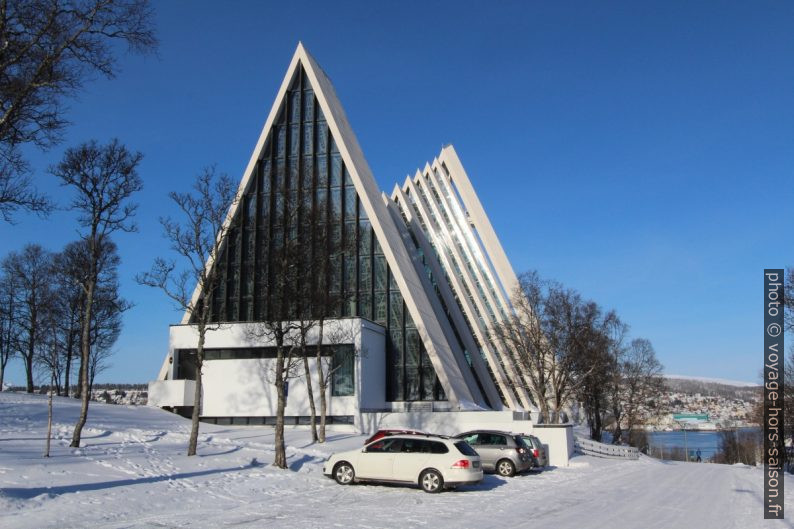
x: 476, y: 464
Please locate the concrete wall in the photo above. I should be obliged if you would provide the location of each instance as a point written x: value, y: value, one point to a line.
x: 558, y: 439
x: 171, y: 393
x: 244, y: 387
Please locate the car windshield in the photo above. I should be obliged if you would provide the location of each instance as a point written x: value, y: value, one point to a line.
x: 464, y: 448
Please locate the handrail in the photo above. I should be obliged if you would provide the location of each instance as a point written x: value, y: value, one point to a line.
x: 594, y: 448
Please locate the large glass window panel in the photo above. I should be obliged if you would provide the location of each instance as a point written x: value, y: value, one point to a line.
x: 412, y: 384
x: 343, y: 369
x: 281, y: 141
x: 294, y: 140
x: 335, y: 232
x: 308, y: 138
x: 308, y: 105
x: 250, y: 210
x: 379, y: 307
x: 322, y: 138
x: 280, y: 173
x: 365, y: 304
x: 350, y: 203
x: 380, y: 273
x: 264, y: 211
x: 335, y: 273
x: 395, y: 311
x: 350, y: 273
x: 321, y: 171
x: 278, y: 210
x: 364, y: 273
x: 364, y: 238
x: 396, y: 382
x: 428, y: 382
x: 322, y: 201
x: 265, y: 175
x: 334, y: 147
x: 336, y: 170
x: 295, y: 106
x: 412, y: 348
x: 336, y: 204
x: 350, y: 237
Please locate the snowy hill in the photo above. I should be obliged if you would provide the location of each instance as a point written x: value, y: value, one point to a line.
x: 720, y: 381
x: 132, y: 472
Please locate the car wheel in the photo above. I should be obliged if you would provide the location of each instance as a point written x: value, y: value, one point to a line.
x: 506, y: 468
x: 431, y: 481
x: 344, y: 473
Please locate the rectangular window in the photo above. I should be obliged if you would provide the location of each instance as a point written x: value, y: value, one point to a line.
x: 308, y: 105
x: 336, y: 170
x: 343, y: 372
x: 322, y: 138
x: 295, y: 106
x: 308, y: 138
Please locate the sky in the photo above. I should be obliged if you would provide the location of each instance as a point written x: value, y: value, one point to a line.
x: 639, y: 152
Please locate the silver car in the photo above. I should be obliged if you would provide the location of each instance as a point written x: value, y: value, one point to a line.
x: 501, y: 452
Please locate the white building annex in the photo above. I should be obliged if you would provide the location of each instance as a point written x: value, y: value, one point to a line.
x: 411, y: 282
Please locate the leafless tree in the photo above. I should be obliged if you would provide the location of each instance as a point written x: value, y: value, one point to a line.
x: 103, y: 178
x: 8, y: 333
x: 48, y: 49
x: 339, y: 336
x: 636, y: 388
x: 197, y: 240
x: 29, y: 271
x: 597, y: 342
x: 69, y: 267
x: 285, y: 327
x: 540, y: 340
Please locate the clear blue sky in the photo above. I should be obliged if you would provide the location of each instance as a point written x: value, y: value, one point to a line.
x: 640, y: 152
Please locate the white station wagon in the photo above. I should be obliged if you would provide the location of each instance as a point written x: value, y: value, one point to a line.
x: 433, y: 462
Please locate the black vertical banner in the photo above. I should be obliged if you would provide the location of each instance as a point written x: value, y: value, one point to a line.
x: 774, y: 448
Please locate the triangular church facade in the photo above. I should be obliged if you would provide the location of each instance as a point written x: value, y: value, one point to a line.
x: 411, y: 281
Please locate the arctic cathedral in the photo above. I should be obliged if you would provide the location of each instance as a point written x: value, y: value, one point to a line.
x: 410, y: 282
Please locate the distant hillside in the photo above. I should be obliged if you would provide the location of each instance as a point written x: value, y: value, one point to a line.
x: 714, y: 387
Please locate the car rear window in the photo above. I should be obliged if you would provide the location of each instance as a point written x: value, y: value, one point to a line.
x: 522, y: 442
x: 464, y: 448
x: 423, y: 446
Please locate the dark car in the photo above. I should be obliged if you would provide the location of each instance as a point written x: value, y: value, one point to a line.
x: 387, y: 432
x: 537, y: 450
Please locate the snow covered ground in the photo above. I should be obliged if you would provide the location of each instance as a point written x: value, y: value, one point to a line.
x: 132, y: 472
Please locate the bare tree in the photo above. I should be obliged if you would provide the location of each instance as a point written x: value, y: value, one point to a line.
x: 103, y: 178
x: 48, y: 49
x: 636, y: 386
x: 336, y: 337
x: 69, y: 268
x: 29, y: 272
x: 8, y: 331
x: 197, y: 239
x: 290, y: 312
x: 539, y: 336
x: 597, y: 342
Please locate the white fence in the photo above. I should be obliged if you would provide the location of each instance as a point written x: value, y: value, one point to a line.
x: 594, y: 448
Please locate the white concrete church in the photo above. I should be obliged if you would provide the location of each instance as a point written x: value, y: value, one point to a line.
x: 417, y: 278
